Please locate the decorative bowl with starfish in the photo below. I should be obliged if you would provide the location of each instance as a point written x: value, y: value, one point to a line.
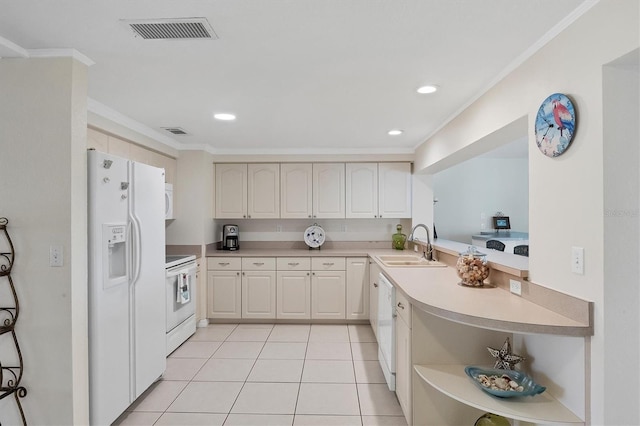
x: 524, y: 382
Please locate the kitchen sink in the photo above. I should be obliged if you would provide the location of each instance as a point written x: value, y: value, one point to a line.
x: 407, y: 261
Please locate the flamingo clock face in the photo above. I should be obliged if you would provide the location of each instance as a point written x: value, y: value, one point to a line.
x: 555, y: 125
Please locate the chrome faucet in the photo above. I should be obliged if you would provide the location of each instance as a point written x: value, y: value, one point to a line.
x: 428, y: 254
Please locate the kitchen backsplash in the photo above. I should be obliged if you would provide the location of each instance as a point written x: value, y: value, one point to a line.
x: 335, y: 229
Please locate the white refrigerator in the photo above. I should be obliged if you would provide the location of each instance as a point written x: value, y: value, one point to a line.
x: 127, y: 340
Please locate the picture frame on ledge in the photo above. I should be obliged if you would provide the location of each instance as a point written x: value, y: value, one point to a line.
x: 501, y: 222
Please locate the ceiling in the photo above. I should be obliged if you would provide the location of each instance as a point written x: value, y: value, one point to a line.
x: 302, y: 76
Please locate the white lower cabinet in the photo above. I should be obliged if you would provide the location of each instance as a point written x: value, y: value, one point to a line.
x: 403, y: 356
x: 374, y: 271
x: 259, y: 294
x: 293, y: 292
x: 288, y: 288
x: 328, y: 295
x: 223, y: 294
x: 259, y: 287
x: 328, y: 288
x: 293, y: 295
x: 357, y: 288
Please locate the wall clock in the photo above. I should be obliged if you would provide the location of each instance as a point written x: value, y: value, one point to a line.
x: 555, y: 125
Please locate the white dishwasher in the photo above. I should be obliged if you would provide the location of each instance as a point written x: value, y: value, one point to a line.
x: 387, y: 330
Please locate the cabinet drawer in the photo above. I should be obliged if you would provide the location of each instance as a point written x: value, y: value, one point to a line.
x: 403, y: 308
x: 224, y: 263
x: 258, y: 263
x: 294, y: 264
x: 328, y: 264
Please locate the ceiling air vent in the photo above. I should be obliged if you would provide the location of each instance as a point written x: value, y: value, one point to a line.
x: 175, y: 130
x: 172, y: 29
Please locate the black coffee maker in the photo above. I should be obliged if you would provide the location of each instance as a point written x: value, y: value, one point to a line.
x: 230, y: 237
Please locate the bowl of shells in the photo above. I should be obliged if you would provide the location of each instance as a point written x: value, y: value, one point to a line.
x: 503, y: 383
x: 472, y: 267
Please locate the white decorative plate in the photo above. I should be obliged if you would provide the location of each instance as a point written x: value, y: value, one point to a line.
x: 314, y: 236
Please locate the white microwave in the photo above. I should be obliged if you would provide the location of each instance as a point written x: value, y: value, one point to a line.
x: 168, y: 201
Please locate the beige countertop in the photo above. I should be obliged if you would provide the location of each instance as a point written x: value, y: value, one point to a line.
x: 436, y: 290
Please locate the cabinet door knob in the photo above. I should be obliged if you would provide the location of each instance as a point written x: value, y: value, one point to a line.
x: 238, y: 273
x: 244, y: 216
x: 400, y: 305
x: 243, y: 274
x: 313, y: 273
x: 375, y: 285
x: 309, y: 215
x: 307, y: 274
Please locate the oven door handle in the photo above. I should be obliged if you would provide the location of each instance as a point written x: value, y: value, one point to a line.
x: 176, y: 272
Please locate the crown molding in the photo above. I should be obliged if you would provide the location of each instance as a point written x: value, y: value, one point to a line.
x: 60, y: 53
x: 9, y: 49
x: 519, y: 60
x: 131, y: 124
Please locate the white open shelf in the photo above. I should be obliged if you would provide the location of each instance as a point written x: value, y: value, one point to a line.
x: 452, y: 381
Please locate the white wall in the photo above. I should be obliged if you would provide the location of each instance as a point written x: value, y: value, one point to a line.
x: 470, y: 193
x: 569, y: 187
x: 621, y: 238
x: 43, y: 194
x: 422, y: 207
x: 193, y: 198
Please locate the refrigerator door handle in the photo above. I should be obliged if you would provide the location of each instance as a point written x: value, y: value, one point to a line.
x: 136, y: 248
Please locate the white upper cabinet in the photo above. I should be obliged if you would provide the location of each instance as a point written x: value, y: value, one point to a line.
x: 311, y: 190
x: 362, y: 190
x: 231, y: 191
x: 296, y: 184
x: 329, y: 190
x: 247, y: 191
x: 263, y: 190
x: 394, y: 190
x: 378, y: 190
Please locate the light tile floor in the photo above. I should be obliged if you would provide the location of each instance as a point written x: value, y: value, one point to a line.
x: 265, y: 374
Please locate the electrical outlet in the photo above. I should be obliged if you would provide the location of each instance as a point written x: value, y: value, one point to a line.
x: 515, y: 287
x: 577, y: 260
x: 278, y: 228
x: 343, y: 227
x: 415, y: 248
x: 56, y: 256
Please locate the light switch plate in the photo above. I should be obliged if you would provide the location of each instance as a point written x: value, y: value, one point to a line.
x: 515, y: 287
x: 577, y: 260
x: 56, y: 256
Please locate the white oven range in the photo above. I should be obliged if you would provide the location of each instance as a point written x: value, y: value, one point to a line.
x: 180, y: 297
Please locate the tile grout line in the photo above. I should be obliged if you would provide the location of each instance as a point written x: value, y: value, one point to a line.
x: 304, y: 363
x: 191, y: 380
x: 246, y: 378
x: 355, y: 378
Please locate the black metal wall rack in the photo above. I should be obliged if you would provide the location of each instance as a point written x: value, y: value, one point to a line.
x: 10, y: 375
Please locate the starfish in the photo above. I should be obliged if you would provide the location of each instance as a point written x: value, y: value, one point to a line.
x: 504, y: 358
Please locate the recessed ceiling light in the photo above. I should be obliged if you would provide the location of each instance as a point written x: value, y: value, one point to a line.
x: 224, y: 116
x: 395, y: 132
x: 427, y: 89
